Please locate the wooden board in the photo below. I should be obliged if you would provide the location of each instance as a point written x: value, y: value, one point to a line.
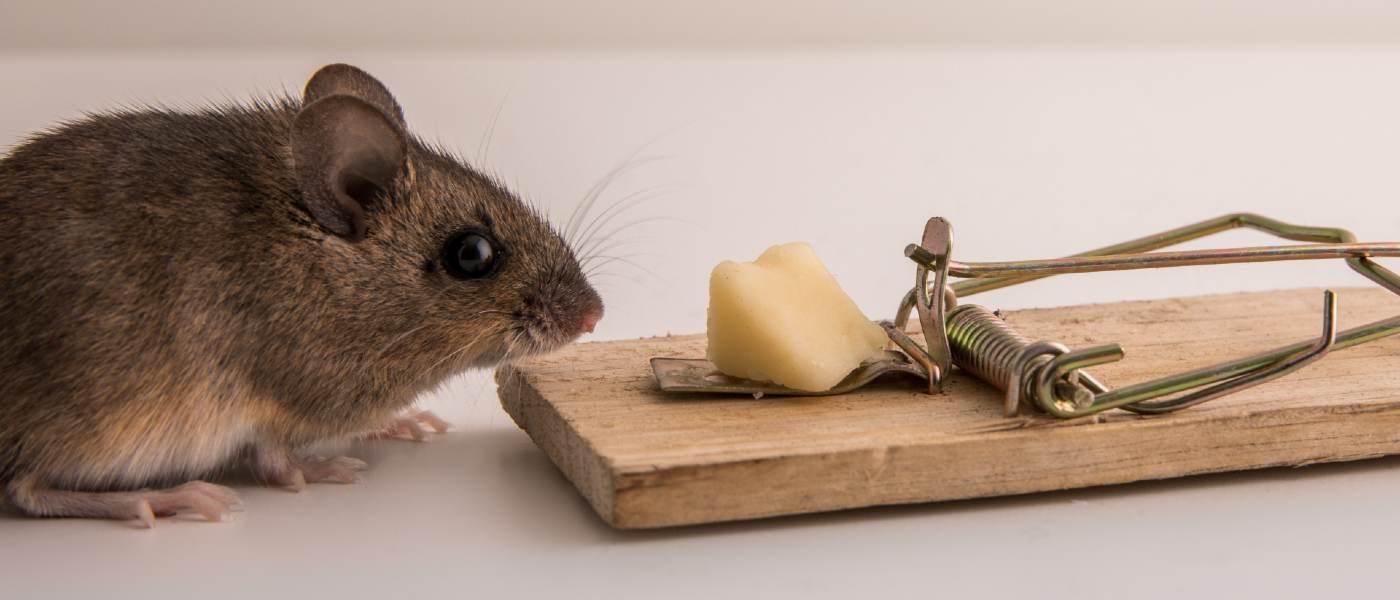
x: 647, y: 459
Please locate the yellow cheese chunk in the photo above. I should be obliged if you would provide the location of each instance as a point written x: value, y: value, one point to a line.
x: 783, y: 318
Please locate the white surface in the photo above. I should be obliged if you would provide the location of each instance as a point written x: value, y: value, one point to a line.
x: 1029, y: 153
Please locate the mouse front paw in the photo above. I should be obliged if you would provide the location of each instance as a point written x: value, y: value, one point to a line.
x: 411, y: 426
x: 286, y: 470
x: 335, y: 469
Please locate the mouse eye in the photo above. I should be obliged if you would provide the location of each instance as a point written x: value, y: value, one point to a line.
x: 469, y: 255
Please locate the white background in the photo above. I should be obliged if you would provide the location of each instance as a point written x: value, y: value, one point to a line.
x: 1037, y: 132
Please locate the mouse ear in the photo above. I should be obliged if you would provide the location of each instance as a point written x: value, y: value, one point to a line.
x: 345, y: 80
x: 347, y: 153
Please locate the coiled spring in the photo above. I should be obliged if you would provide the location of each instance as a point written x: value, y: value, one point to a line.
x: 982, y: 343
x: 985, y: 345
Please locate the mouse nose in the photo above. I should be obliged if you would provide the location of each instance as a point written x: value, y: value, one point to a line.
x: 590, y: 320
x: 589, y: 309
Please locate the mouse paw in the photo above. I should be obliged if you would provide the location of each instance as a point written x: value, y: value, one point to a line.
x: 411, y: 427
x: 213, y: 502
x: 336, y: 469
x: 283, y: 469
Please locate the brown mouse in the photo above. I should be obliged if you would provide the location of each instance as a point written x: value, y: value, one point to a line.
x: 185, y: 291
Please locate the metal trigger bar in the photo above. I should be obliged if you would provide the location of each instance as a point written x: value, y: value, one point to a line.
x: 1050, y: 375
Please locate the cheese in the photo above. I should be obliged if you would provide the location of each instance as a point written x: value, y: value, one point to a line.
x: 783, y: 318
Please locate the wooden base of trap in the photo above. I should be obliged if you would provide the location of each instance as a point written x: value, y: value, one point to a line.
x: 647, y: 459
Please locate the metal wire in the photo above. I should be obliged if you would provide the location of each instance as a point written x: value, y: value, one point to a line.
x: 987, y: 346
x: 984, y: 345
x: 1050, y: 375
x: 984, y: 280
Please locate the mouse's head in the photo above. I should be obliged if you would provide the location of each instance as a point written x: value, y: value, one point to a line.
x: 422, y: 244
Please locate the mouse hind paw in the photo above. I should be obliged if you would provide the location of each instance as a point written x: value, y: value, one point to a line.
x: 213, y: 502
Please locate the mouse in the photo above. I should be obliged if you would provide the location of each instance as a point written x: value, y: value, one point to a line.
x: 189, y: 291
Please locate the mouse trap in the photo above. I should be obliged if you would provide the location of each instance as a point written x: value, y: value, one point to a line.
x: 977, y: 403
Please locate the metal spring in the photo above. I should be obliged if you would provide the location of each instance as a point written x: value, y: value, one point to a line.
x: 983, y: 344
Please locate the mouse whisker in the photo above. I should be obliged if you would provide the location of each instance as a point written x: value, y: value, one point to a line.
x: 464, y: 348
x: 399, y: 338
x: 484, y: 147
x: 627, y: 261
x: 621, y: 206
x: 613, y: 246
x: 521, y: 337
x: 590, y: 198
x: 629, y: 162
x: 449, y: 356
x: 621, y: 228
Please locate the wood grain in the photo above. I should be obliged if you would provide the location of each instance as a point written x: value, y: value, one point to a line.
x: 646, y: 459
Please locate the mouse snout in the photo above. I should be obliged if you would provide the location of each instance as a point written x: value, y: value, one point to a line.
x: 590, y: 319
x: 590, y: 311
